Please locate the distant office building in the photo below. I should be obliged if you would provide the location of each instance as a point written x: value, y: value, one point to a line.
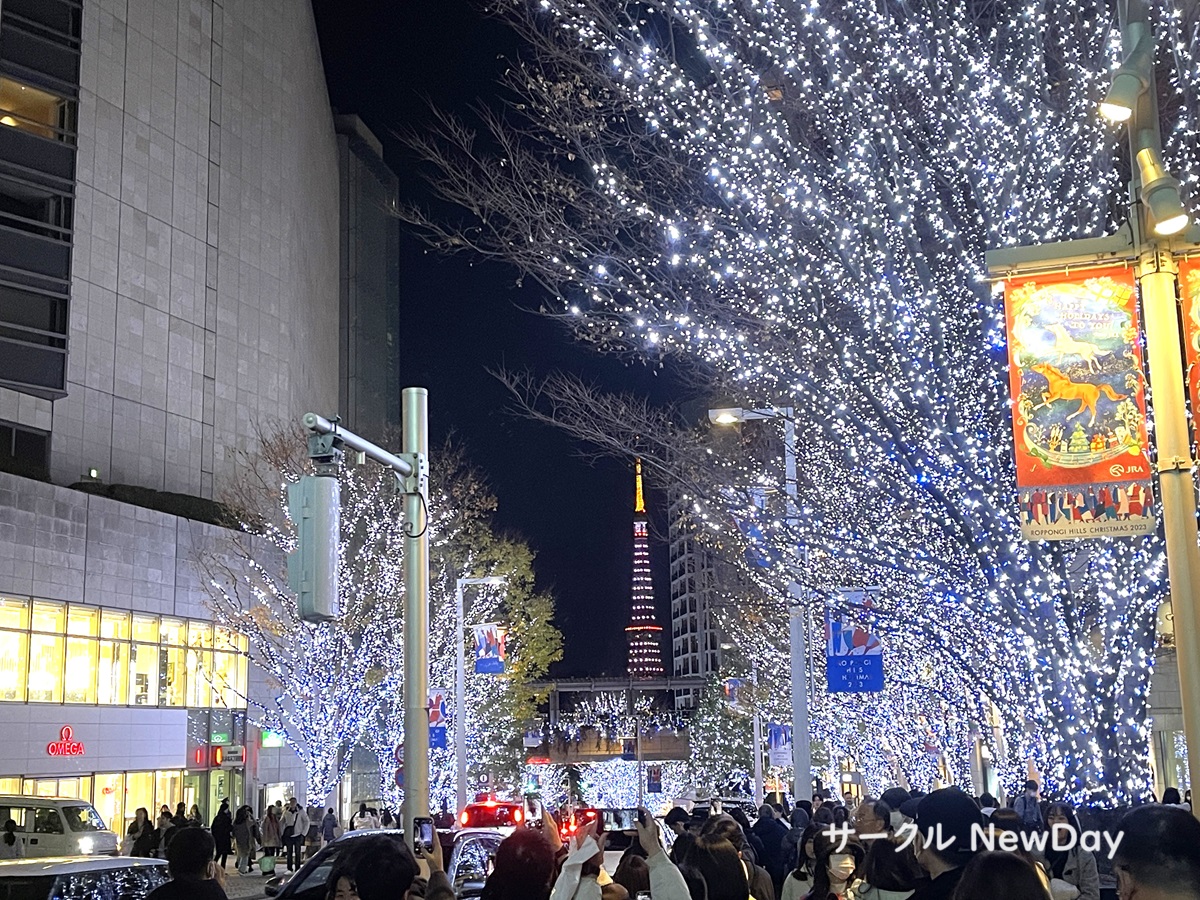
x: 369, y: 363
x: 643, y: 633
x: 168, y: 286
x: 695, y: 635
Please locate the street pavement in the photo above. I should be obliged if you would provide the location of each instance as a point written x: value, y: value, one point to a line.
x: 243, y: 887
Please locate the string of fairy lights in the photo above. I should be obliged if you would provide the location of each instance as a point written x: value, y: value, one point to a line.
x: 799, y: 195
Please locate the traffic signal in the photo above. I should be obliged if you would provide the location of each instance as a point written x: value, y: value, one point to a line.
x: 314, y: 504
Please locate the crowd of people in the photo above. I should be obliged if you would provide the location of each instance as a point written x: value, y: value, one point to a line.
x: 282, y: 834
x: 900, y: 846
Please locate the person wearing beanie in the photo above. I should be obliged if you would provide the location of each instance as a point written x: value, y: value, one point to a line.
x: 951, y: 817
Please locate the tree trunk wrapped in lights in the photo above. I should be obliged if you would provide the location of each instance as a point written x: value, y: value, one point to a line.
x: 796, y: 198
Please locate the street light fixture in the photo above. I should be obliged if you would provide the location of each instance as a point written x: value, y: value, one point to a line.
x: 460, y: 686
x: 797, y: 613
x: 1131, y: 80
x: 1160, y: 193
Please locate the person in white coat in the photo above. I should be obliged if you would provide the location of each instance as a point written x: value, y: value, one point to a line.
x: 295, y: 830
x: 1074, y: 874
x: 578, y: 878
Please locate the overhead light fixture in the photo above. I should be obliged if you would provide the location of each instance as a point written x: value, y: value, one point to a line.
x: 1131, y: 79
x: 729, y: 415
x: 1160, y: 193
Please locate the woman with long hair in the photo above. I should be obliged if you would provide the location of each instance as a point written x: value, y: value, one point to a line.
x: 999, y: 875
x: 721, y: 865
x: 1075, y: 868
x: 140, y: 833
x: 524, y: 870
x: 837, y: 862
x: 890, y: 871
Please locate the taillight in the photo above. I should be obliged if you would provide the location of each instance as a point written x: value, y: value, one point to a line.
x: 518, y: 815
x: 463, y: 818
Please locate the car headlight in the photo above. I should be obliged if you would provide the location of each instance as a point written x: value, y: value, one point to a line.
x: 86, y: 845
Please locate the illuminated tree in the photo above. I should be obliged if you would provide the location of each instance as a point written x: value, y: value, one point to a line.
x: 339, y: 685
x: 796, y: 199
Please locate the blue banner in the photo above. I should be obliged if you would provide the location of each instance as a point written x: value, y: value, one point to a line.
x: 760, y: 551
x: 437, y: 737
x: 853, y: 656
x: 489, y: 649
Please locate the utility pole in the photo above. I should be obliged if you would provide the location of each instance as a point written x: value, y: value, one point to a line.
x: 1156, y: 215
x: 411, y: 468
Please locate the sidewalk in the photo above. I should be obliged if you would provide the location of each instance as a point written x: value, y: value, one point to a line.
x: 243, y: 887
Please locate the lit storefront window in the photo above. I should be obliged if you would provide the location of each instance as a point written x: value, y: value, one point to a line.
x: 70, y: 653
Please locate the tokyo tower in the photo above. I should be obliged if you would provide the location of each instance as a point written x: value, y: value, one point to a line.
x: 643, y: 633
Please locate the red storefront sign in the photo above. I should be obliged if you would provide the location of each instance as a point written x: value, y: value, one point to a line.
x: 66, y: 745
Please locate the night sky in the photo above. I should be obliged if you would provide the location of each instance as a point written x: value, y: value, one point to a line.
x: 386, y: 62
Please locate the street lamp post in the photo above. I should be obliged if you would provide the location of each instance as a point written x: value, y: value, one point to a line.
x: 797, y: 606
x: 460, y: 686
x: 758, y: 756
x: 1157, y: 214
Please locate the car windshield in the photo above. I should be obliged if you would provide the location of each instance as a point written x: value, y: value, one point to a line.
x: 471, y: 857
x: 26, y: 888
x: 83, y: 818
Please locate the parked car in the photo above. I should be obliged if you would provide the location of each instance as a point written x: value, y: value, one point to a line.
x: 81, y: 877
x: 309, y: 882
x: 470, y: 860
x: 58, y: 826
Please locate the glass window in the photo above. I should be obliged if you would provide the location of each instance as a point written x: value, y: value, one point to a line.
x: 14, y: 613
x: 200, y: 634
x: 82, y: 676
x: 114, y: 673
x: 45, y: 668
x: 199, y: 670
x: 171, y: 631
x: 168, y: 789
x: 243, y: 643
x: 83, y: 818
x: 109, y: 800
x: 224, y: 639
x: 10, y: 786
x: 25, y: 107
x: 45, y: 820
x: 80, y: 788
x: 114, y: 624
x: 14, y: 664
x: 48, y: 617
x: 145, y: 628
x: 139, y: 791
x: 225, y: 686
x: 83, y: 620
x: 143, y: 674
x: 172, y: 676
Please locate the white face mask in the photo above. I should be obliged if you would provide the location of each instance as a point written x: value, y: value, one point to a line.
x: 841, y: 867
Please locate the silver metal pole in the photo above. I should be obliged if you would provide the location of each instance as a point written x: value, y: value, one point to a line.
x: 320, y: 425
x: 415, y: 440
x: 460, y: 703
x: 758, y: 756
x: 798, y: 626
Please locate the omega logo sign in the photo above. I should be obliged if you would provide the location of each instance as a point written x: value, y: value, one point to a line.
x: 66, y: 745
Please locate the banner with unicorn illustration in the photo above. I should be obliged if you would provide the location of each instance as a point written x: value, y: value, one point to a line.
x: 1079, y: 405
x: 1189, y: 293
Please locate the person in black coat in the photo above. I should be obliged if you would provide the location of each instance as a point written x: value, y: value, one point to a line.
x: 222, y: 832
x: 772, y: 832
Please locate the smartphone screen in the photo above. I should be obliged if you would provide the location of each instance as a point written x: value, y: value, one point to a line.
x: 424, y: 837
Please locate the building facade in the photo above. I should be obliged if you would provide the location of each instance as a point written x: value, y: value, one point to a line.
x: 169, y: 214
x: 369, y: 359
x: 695, y: 634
